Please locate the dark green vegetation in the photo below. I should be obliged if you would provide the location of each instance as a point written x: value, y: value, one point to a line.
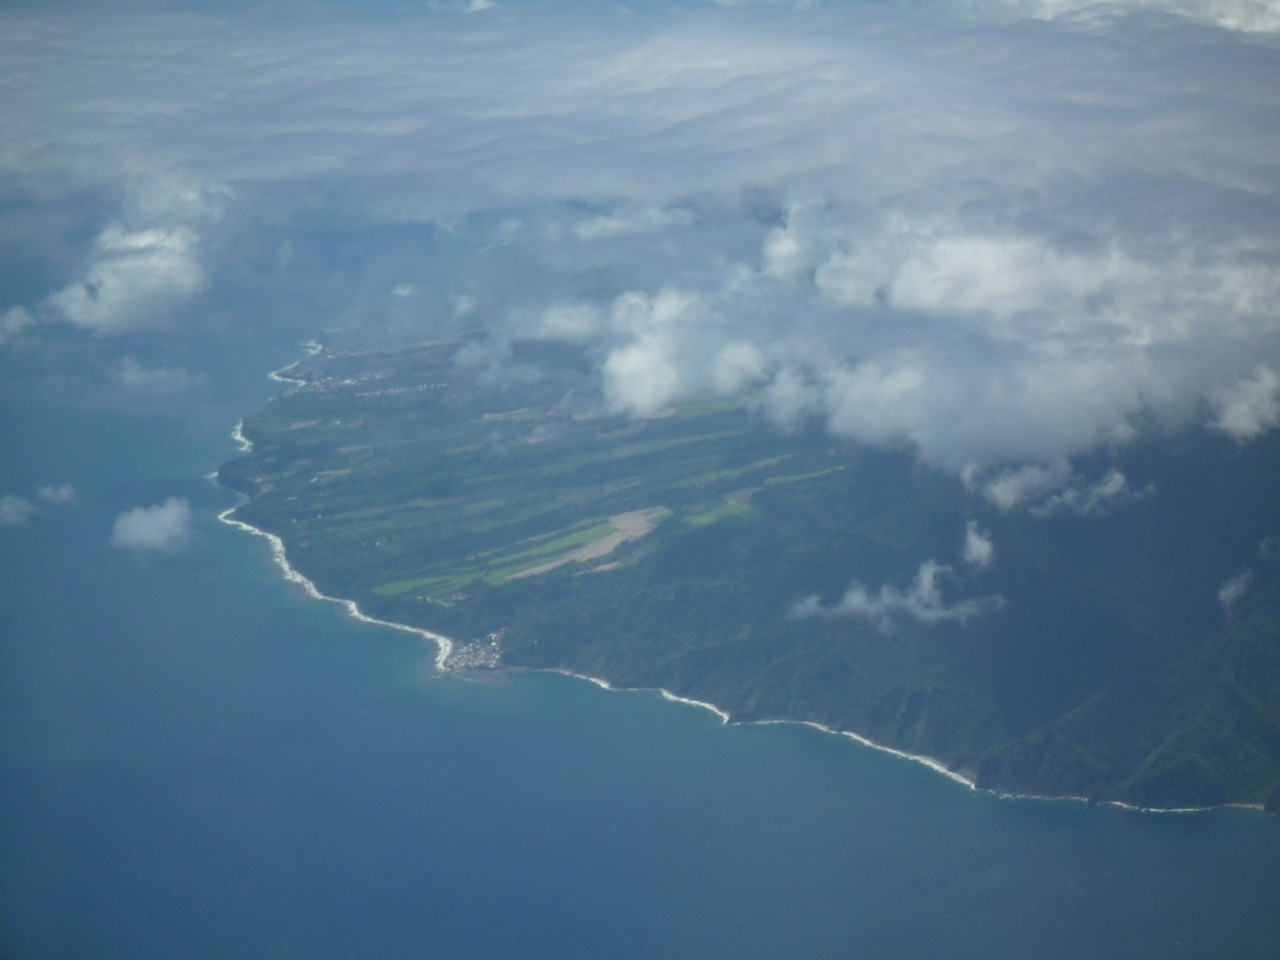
x: 1111, y: 671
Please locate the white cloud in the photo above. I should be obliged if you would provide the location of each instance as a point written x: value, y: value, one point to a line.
x: 1029, y: 483
x: 136, y: 280
x: 1253, y: 16
x: 922, y: 601
x: 1092, y: 499
x: 15, y: 511
x: 1233, y: 588
x: 790, y: 398
x: 154, y: 380
x: 641, y: 378
x: 737, y: 365
x: 12, y: 322
x: 1250, y: 407
x: 165, y: 527
x: 571, y: 321
x: 630, y: 220
x: 979, y: 550
x: 645, y: 374
x: 1049, y: 488
x: 57, y: 494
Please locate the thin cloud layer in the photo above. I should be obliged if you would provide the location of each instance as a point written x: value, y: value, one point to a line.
x: 15, y: 510
x: 997, y: 241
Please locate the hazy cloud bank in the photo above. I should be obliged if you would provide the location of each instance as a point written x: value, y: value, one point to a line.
x: 998, y: 241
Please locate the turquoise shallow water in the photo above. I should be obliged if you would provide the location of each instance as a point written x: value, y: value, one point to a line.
x: 198, y: 761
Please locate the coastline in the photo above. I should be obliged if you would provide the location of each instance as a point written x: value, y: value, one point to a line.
x: 937, y: 766
x: 445, y: 646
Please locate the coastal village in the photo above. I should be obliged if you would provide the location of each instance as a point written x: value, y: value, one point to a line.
x: 482, y: 653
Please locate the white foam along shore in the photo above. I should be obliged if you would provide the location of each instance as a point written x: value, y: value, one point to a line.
x: 282, y: 375
x: 937, y: 766
x: 243, y: 443
x: 444, y: 646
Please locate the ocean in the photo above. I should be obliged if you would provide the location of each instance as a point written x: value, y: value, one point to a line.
x: 199, y: 761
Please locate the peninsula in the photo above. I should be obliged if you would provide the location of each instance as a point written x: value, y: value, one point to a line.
x: 1080, y: 651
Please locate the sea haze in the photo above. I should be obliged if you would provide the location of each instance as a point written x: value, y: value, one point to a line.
x: 199, y: 761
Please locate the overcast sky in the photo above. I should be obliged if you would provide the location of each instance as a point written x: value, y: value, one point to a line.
x: 1003, y: 233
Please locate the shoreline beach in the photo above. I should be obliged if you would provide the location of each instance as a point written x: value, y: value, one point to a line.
x: 444, y: 646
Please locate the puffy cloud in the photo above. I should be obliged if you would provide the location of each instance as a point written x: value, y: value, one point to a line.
x: 165, y: 527
x: 921, y: 601
x: 644, y: 375
x: 1233, y: 588
x: 1092, y: 499
x: 790, y: 398
x: 1250, y: 407
x: 1031, y: 482
x: 641, y: 378
x: 1048, y: 488
x: 737, y: 365
x: 979, y: 550
x: 14, y: 510
x: 136, y: 280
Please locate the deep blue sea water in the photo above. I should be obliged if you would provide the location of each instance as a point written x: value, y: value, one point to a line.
x: 196, y: 761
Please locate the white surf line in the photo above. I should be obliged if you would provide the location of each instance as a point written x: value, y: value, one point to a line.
x: 675, y: 698
x: 1136, y: 809
x: 726, y: 719
x: 444, y: 646
x: 937, y: 766
x: 243, y: 443
x: 281, y: 376
x: 660, y: 691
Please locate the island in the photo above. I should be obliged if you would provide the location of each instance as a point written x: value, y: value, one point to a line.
x: 1088, y: 650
